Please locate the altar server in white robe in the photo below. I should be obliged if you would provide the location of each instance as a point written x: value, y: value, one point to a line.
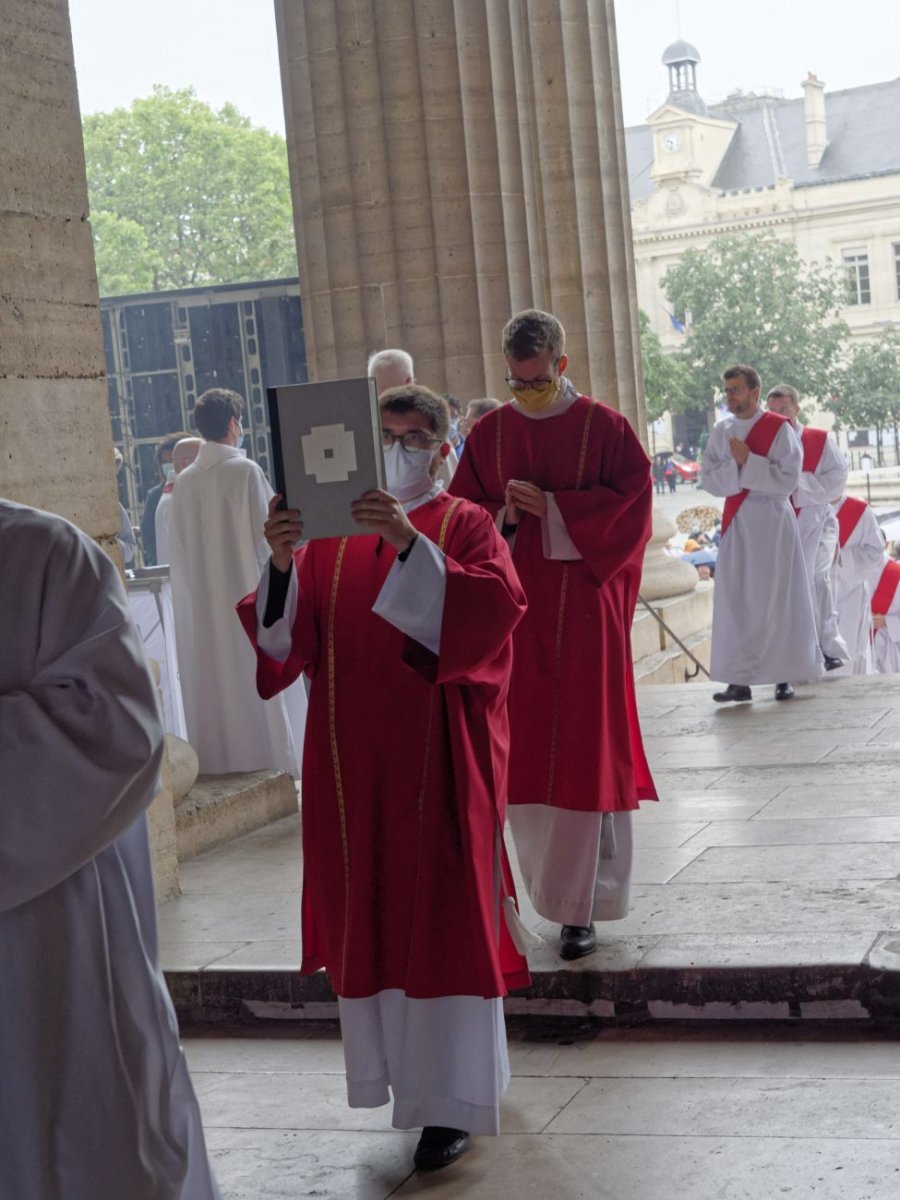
x: 183, y: 454
x: 822, y: 483
x: 763, y: 625
x: 886, y: 619
x: 856, y: 571
x: 95, y: 1098
x: 219, y: 508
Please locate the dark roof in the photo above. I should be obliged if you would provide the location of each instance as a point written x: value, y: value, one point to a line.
x: 862, y: 131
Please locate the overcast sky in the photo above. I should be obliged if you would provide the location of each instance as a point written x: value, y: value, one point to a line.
x: 226, y: 49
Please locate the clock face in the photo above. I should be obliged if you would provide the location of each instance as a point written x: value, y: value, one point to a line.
x: 671, y: 142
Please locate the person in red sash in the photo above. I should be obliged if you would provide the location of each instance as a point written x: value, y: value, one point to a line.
x: 763, y: 624
x: 406, y: 635
x: 886, y: 619
x: 821, y: 484
x: 569, y: 483
x: 857, y: 568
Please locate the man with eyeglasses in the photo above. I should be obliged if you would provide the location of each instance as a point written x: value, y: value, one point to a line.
x: 217, y: 551
x: 406, y: 634
x: 821, y: 485
x: 763, y: 624
x: 569, y: 484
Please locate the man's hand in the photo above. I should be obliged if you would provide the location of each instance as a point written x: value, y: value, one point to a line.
x: 380, y: 512
x: 526, y: 497
x: 740, y: 451
x: 879, y: 620
x: 283, y: 529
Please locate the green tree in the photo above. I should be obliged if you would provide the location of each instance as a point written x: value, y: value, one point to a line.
x: 752, y: 299
x: 666, y: 378
x: 184, y: 195
x: 868, y: 387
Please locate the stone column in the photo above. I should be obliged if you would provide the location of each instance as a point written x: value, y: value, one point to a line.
x: 54, y: 421
x: 55, y: 431
x: 453, y: 161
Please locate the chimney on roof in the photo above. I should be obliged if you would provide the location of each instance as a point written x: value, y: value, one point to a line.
x: 814, y: 112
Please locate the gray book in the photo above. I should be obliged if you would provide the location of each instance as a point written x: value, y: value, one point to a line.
x: 326, y: 450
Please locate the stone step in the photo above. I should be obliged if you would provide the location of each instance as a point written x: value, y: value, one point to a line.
x: 221, y: 807
x: 672, y: 665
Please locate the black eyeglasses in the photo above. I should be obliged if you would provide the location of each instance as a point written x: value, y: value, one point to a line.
x: 414, y: 439
x: 519, y: 385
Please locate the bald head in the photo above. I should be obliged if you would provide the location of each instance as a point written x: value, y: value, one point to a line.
x: 390, y: 369
x: 184, y: 453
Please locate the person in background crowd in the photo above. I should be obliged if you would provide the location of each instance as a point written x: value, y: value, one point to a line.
x: 148, y: 519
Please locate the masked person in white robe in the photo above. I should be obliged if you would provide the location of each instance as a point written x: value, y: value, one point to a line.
x: 763, y: 625
x: 183, y: 454
x: 856, y: 571
x: 219, y: 508
x: 95, y: 1098
x: 822, y: 483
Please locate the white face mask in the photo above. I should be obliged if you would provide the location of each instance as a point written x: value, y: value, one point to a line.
x: 170, y: 473
x: 408, y: 472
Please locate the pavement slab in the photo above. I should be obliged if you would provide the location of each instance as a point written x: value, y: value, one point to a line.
x: 767, y: 874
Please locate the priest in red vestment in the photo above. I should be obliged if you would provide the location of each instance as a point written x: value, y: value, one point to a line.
x: 566, y: 479
x: 406, y: 635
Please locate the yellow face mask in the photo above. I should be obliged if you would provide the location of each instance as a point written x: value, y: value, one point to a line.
x: 537, y: 399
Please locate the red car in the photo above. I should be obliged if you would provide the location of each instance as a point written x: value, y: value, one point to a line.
x: 686, y: 467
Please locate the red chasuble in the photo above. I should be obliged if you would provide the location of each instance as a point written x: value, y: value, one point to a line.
x: 576, y: 741
x: 404, y: 765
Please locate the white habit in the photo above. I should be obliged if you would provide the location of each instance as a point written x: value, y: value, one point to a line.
x: 763, y: 624
x: 95, y: 1098
x: 886, y: 642
x: 444, y: 1060
x: 813, y: 499
x: 219, y: 508
x: 855, y: 576
x: 162, y: 523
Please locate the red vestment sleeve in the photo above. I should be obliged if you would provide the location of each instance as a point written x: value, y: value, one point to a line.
x: 611, y: 525
x: 483, y: 603
x: 467, y: 482
x: 272, y: 676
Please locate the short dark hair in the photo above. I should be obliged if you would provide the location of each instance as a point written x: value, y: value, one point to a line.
x: 785, y: 389
x: 168, y: 444
x: 533, y: 332
x: 213, y: 411
x: 750, y: 375
x: 452, y: 402
x: 412, y: 397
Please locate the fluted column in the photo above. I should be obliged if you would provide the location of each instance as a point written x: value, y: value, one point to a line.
x: 452, y: 162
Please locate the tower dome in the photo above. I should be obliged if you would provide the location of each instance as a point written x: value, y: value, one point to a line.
x: 681, y: 58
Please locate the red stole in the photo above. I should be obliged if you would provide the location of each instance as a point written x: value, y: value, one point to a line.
x: 848, y: 517
x: 759, y: 441
x: 887, y: 587
x: 813, y: 441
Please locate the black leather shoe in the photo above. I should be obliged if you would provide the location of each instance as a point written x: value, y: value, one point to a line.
x: 576, y: 941
x: 783, y: 691
x: 439, y: 1147
x: 734, y: 691
x: 832, y: 664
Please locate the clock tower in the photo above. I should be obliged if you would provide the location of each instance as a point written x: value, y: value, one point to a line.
x: 688, y: 143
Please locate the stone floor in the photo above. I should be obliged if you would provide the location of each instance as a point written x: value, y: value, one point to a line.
x: 766, y: 881
x: 660, y: 1113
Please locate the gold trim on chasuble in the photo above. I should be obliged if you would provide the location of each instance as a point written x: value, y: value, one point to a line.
x: 563, y: 592
x: 332, y: 729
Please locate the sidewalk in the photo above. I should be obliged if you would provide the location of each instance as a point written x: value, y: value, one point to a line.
x: 765, y: 883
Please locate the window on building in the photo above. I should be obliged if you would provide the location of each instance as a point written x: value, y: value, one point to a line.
x: 856, y: 265
x: 897, y: 266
